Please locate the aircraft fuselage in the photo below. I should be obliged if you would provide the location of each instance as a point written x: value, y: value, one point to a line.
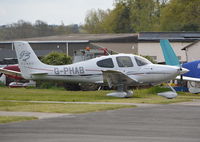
x: 90, y: 71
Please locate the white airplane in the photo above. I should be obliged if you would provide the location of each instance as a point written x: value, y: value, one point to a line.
x: 121, y: 70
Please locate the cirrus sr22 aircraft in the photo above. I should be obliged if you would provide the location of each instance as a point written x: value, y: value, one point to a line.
x: 120, y: 71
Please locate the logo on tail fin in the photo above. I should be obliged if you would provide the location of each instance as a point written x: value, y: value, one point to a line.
x: 24, y: 55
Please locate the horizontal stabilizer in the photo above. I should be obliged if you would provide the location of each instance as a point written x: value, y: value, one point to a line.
x: 10, y: 72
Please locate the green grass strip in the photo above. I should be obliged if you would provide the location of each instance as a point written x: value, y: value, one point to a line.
x: 8, y: 119
x: 58, y: 108
x: 140, y: 96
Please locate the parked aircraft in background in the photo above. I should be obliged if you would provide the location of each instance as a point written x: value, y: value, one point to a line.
x: 121, y: 70
x: 12, y: 71
x: 194, y: 67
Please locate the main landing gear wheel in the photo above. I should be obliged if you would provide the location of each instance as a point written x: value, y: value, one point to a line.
x: 122, y: 92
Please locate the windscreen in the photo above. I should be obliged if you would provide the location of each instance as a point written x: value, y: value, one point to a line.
x: 141, y: 61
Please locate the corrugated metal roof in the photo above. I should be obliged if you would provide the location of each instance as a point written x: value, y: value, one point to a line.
x: 79, y: 37
x: 125, y: 37
x: 169, y: 35
x: 46, y: 42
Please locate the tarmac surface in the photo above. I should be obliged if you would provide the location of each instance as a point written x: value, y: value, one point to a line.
x: 153, y: 123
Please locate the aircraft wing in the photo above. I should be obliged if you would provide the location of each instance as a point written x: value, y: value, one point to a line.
x: 114, y: 78
x: 188, y: 78
x: 10, y: 72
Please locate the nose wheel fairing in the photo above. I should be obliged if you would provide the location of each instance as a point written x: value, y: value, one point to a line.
x: 169, y: 94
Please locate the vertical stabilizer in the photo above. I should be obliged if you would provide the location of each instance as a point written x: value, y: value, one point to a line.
x: 28, y: 61
x: 169, y: 54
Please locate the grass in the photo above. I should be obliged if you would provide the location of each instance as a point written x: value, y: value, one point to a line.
x: 8, y: 119
x: 140, y: 96
x: 58, y: 108
x: 50, y: 95
x: 21, y: 94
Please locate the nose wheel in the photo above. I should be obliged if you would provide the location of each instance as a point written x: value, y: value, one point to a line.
x: 169, y: 94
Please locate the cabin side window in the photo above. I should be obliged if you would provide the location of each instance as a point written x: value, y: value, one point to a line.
x: 106, y: 63
x: 124, y: 61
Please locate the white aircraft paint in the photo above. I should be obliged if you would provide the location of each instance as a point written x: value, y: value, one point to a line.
x: 121, y: 70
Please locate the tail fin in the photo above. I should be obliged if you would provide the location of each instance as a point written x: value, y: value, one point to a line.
x: 169, y: 54
x: 28, y: 61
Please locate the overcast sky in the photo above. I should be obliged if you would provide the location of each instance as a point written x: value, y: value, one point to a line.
x: 50, y: 11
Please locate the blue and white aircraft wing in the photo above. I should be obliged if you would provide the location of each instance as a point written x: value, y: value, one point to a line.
x: 188, y: 78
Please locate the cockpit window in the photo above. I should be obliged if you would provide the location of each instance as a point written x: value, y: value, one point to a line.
x: 141, y: 61
x: 124, y: 61
x: 106, y: 63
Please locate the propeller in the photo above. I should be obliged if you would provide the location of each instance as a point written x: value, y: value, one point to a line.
x: 181, y: 77
x: 182, y: 72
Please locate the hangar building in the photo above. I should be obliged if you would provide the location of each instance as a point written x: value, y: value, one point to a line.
x: 192, y: 51
x: 70, y: 43
x: 144, y: 43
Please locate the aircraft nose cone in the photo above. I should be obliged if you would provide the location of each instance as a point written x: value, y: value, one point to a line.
x: 183, y: 70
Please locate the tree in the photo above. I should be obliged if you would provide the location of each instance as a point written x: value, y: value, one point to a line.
x: 120, y: 17
x: 18, y: 30
x: 179, y: 15
x: 24, y: 29
x: 56, y: 58
x: 126, y: 17
x: 109, y: 21
x: 42, y: 28
x: 94, y: 21
x: 144, y: 15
